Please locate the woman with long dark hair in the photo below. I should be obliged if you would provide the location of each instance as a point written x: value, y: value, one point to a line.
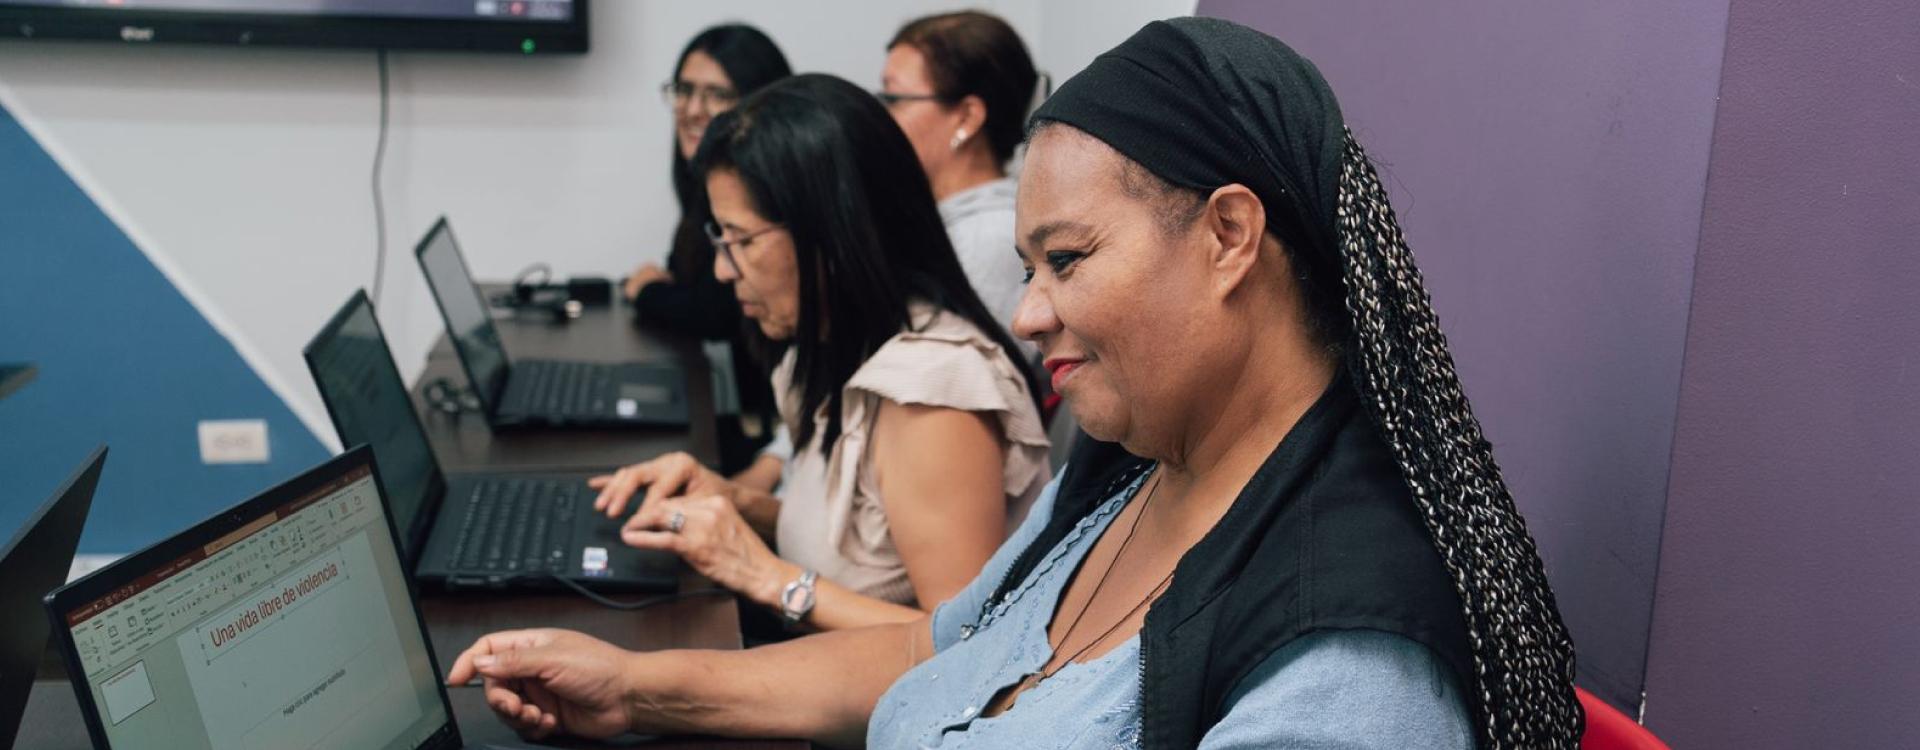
x: 959, y: 84
x: 917, y: 436
x: 716, y: 69
x: 1288, y: 529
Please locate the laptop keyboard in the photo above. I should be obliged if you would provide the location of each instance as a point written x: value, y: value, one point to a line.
x: 570, y: 388
x: 516, y: 526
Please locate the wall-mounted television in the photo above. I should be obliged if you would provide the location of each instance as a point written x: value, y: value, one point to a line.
x: 517, y: 26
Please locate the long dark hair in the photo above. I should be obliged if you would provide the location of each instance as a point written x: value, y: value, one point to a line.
x: 970, y: 53
x: 751, y: 61
x: 824, y: 159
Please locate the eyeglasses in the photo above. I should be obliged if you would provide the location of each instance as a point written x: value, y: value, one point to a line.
x: 892, y: 98
x: 725, y: 246
x: 679, y: 93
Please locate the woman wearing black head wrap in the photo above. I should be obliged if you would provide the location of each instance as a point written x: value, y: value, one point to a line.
x: 1287, y: 529
x: 1254, y: 113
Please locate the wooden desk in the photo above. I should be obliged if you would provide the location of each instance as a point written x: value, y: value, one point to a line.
x: 52, y: 720
x: 464, y: 443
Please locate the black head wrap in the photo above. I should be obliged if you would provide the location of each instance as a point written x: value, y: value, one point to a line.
x: 1204, y: 103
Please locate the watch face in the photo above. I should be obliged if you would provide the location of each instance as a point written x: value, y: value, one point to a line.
x: 796, y: 600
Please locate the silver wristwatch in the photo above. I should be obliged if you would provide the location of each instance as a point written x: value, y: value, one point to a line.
x: 796, y: 600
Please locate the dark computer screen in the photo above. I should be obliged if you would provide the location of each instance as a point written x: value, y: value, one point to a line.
x: 369, y: 404
x: 468, y: 321
x: 497, y: 10
x: 36, y: 562
x: 525, y: 26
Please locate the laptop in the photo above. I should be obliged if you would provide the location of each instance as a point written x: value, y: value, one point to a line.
x: 550, y: 393
x: 36, y: 562
x: 495, y: 530
x: 286, y: 621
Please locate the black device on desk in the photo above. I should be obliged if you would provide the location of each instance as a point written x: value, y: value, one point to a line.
x: 36, y: 562
x: 515, y: 530
x: 541, y: 392
x: 535, y: 288
x: 286, y: 621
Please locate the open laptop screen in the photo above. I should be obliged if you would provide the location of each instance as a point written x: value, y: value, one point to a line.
x: 468, y: 321
x: 294, y: 629
x: 369, y: 404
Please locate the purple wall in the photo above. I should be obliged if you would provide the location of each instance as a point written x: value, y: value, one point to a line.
x: 1788, y: 613
x: 1548, y: 161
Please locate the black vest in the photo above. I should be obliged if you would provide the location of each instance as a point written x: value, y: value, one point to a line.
x: 1324, y: 537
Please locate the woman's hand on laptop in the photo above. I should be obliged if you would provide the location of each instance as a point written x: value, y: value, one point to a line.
x: 671, y: 475
x: 545, y: 681
x: 716, y: 541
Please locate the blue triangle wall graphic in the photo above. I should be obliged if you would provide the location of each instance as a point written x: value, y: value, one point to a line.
x: 123, y: 359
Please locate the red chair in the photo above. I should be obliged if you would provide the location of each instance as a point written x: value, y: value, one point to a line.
x: 1608, y: 729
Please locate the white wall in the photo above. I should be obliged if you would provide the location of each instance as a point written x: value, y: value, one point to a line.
x: 244, y: 173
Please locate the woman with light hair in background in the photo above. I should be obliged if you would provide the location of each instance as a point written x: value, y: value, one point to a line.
x: 960, y: 85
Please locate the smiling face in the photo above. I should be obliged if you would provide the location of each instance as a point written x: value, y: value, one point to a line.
x: 712, y: 93
x: 767, y: 279
x: 1123, y: 308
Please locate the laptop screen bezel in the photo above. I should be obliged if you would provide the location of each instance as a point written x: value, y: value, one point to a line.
x: 414, y: 537
x: 489, y: 394
x: 125, y: 571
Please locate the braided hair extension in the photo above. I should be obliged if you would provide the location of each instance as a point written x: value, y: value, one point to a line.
x: 1522, y: 653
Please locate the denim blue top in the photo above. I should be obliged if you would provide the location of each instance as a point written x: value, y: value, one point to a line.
x: 1329, y: 689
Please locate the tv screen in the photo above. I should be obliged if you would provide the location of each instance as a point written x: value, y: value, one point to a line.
x: 518, y: 26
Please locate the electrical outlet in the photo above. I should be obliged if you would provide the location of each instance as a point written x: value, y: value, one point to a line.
x: 233, y: 441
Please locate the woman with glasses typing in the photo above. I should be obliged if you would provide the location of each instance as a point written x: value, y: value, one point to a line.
x: 917, y: 436
x: 717, y: 68
x: 959, y: 85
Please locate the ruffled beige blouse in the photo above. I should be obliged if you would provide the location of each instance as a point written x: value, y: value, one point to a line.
x: 831, y: 515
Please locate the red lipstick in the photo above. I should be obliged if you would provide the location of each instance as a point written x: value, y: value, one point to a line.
x: 1062, y: 369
